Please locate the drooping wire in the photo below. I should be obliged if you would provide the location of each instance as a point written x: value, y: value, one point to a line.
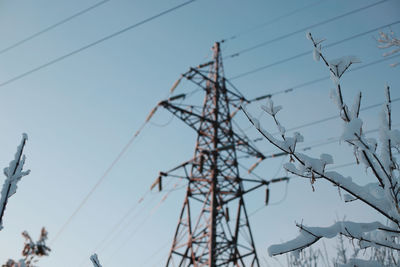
x: 285, y: 194
x: 111, y: 234
x: 172, y: 116
x: 102, y: 178
x: 286, y: 189
x: 142, y: 223
x: 55, y: 25
x: 92, y: 44
x: 243, y: 133
x: 282, y: 37
x: 160, y: 249
x: 156, y: 264
x: 121, y: 221
x: 168, y: 122
x: 103, y: 243
x: 116, y: 231
x: 308, y: 52
x: 128, y: 224
x: 272, y: 21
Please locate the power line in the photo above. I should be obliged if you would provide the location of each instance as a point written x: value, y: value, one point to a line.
x: 110, y: 236
x: 286, y: 188
x: 335, y: 117
x: 53, y: 26
x: 282, y: 37
x: 324, y: 142
x: 100, y: 180
x: 272, y: 21
x: 315, y: 81
x: 291, y: 89
x: 151, y: 257
x: 113, y: 232
x: 141, y: 224
x: 318, y: 80
x: 308, y: 52
x: 298, y: 86
x: 345, y: 165
x: 118, y: 229
x: 51, y: 62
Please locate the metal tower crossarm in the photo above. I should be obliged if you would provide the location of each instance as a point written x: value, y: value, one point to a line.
x: 209, y: 233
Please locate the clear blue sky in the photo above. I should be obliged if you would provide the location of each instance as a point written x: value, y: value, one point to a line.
x: 80, y: 112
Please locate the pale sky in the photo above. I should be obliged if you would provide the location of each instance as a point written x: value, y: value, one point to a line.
x: 81, y: 111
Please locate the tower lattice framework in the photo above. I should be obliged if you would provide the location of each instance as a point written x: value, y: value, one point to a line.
x: 213, y: 227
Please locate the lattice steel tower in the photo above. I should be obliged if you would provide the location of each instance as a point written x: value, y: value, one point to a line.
x: 213, y: 227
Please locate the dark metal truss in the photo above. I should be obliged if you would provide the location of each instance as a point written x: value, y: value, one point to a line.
x: 213, y: 227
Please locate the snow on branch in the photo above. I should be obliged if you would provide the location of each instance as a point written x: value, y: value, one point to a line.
x: 310, y: 235
x: 31, y: 251
x: 95, y: 260
x: 382, y: 195
x: 314, y: 168
x: 389, y: 40
x: 13, y: 175
x: 359, y: 262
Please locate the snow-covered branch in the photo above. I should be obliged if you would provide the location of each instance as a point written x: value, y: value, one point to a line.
x: 389, y: 40
x: 314, y: 168
x: 383, y: 195
x: 95, y: 260
x: 310, y: 235
x: 31, y: 251
x: 13, y: 175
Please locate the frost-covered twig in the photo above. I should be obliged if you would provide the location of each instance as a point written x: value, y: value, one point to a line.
x: 95, y: 260
x: 366, y: 149
x: 389, y: 40
x: 35, y: 249
x: 315, y: 168
x: 13, y: 174
x: 361, y: 263
x: 366, y: 233
x: 382, y: 196
x: 31, y: 250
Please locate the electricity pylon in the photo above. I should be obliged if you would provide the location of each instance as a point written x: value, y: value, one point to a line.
x: 213, y: 227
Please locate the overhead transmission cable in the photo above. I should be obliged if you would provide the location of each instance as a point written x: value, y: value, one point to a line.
x: 347, y: 164
x: 101, y: 245
x: 105, y: 174
x: 304, y: 84
x: 285, y: 194
x: 336, y: 139
x: 51, y: 27
x: 118, y: 228
x: 111, y: 234
x: 287, y: 184
x: 334, y: 117
x: 308, y: 52
x: 282, y: 37
x: 272, y: 21
x: 159, y: 250
x: 92, y: 44
x: 142, y: 223
x: 323, y: 142
x: 127, y: 225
